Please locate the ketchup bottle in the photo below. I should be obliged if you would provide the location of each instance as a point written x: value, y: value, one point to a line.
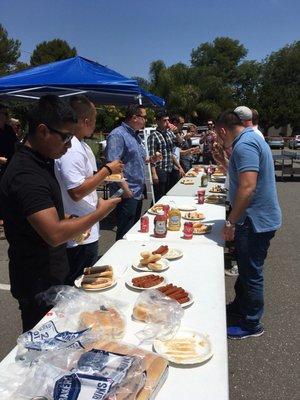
x: 160, y: 225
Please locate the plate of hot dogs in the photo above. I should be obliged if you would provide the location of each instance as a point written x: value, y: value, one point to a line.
x: 96, y: 278
x: 184, y: 298
x: 146, y: 281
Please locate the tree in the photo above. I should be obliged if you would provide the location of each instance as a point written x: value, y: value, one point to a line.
x: 279, y: 92
x: 221, y: 57
x: 9, y: 51
x: 53, y: 50
x: 248, y: 80
x: 143, y: 83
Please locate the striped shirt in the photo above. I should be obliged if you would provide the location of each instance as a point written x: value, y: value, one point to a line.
x: 162, y: 142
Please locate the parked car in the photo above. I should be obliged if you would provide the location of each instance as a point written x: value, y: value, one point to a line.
x: 275, y: 142
x: 294, y: 143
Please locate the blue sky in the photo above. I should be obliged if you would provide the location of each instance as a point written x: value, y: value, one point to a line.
x: 128, y: 35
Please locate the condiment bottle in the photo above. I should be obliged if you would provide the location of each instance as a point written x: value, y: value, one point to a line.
x: 160, y: 225
x: 204, y: 180
x: 174, y: 219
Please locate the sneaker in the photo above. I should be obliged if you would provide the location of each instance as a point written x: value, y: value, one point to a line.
x: 239, y: 333
x: 233, y: 271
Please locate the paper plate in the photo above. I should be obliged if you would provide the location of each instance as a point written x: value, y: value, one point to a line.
x: 153, y: 212
x: 78, y: 280
x: 209, y: 229
x: 193, y: 219
x: 189, y: 303
x: 187, y: 347
x: 187, y: 207
x: 107, y: 180
x: 165, y: 263
x: 218, y: 178
x: 173, y: 254
x: 131, y: 286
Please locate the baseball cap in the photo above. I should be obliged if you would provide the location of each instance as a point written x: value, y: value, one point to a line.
x: 244, y: 113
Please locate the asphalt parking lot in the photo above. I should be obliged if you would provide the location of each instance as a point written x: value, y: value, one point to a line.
x: 263, y: 368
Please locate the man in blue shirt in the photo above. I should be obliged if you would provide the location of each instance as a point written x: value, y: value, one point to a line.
x: 252, y: 222
x: 124, y: 143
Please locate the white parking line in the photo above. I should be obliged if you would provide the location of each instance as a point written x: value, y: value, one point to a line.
x: 4, y: 286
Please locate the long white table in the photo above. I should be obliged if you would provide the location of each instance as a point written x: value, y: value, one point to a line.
x: 181, y: 189
x: 214, y: 214
x: 200, y: 271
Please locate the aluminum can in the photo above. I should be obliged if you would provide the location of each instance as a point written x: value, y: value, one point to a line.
x: 145, y: 224
x: 188, y: 230
x: 201, y: 196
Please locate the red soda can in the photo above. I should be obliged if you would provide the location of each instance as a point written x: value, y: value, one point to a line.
x: 144, y: 224
x: 188, y: 230
x: 201, y: 195
x: 166, y: 209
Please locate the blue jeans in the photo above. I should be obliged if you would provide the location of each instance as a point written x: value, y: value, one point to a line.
x: 128, y: 212
x: 80, y: 257
x: 251, y: 251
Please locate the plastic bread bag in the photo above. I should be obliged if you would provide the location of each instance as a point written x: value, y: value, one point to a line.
x: 110, y: 370
x: 161, y: 313
x: 77, y: 319
x: 11, y: 378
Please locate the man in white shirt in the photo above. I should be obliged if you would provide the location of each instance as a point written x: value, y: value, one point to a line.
x: 76, y: 172
x: 246, y: 115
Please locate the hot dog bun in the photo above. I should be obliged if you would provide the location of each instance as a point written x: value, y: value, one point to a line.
x: 96, y: 283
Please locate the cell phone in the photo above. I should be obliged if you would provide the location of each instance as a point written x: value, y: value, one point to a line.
x: 118, y: 193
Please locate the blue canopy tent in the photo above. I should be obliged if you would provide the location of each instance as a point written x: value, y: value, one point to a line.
x: 76, y: 75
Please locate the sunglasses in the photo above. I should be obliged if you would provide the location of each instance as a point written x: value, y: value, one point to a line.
x: 65, y: 137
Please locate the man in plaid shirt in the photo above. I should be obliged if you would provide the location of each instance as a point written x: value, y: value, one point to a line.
x: 163, y: 141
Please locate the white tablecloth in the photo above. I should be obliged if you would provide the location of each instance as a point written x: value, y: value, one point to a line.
x: 186, y: 190
x: 213, y: 215
x: 200, y: 271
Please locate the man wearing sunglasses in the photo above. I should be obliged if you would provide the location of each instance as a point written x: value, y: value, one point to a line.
x: 34, y: 217
x: 77, y: 174
x: 125, y: 144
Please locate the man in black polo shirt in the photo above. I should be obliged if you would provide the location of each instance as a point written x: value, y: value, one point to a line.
x: 34, y: 219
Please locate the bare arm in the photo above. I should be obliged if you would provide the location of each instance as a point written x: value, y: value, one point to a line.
x: 91, y: 183
x: 176, y: 162
x: 56, y: 232
x: 246, y: 189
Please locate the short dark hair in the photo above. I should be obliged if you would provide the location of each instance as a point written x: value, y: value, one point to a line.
x: 133, y: 109
x: 50, y: 110
x: 161, y: 114
x: 254, y: 116
x: 228, y: 119
x: 176, y: 118
x: 81, y: 105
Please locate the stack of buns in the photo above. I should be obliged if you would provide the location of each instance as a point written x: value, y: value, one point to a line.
x: 150, y: 261
x: 106, y: 321
x: 97, y: 277
x: 154, y: 366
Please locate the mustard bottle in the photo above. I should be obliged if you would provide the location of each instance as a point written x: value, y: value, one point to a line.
x: 174, y: 219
